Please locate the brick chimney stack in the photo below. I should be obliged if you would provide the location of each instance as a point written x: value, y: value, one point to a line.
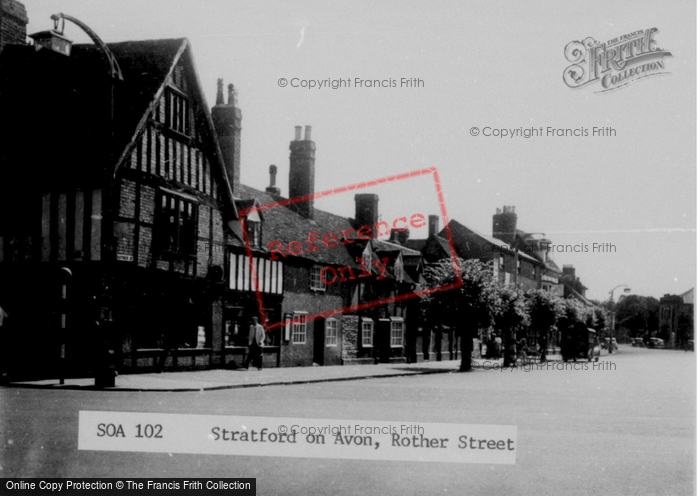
x: 273, y: 180
x: 505, y: 224
x: 13, y: 23
x: 366, y: 210
x: 227, y: 123
x: 433, y: 225
x: 302, y: 169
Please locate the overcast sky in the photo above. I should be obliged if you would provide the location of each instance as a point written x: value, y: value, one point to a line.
x: 483, y: 64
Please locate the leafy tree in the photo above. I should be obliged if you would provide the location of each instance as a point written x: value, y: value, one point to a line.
x: 640, y: 314
x: 511, y: 316
x: 468, y: 307
x: 545, y: 309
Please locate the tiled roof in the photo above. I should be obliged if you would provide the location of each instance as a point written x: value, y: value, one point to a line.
x: 462, y: 234
x: 283, y: 223
x: 415, y: 244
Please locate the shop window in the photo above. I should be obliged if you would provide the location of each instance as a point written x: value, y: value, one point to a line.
x: 396, y: 333
x: 332, y: 332
x: 176, y: 225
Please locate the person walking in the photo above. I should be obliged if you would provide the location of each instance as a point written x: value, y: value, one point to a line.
x: 497, y: 345
x: 256, y: 340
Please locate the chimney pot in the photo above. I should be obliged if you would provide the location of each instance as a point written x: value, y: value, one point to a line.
x: 273, y: 180
x: 297, y: 133
x: 219, y: 91
x: 232, y: 96
x: 307, y: 133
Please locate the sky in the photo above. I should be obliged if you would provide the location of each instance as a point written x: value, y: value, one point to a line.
x: 481, y: 64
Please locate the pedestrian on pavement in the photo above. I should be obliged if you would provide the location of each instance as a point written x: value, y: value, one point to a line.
x: 256, y: 340
x: 543, y: 348
x: 497, y: 344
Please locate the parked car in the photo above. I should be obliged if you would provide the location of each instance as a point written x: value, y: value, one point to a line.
x: 656, y: 343
x: 639, y: 342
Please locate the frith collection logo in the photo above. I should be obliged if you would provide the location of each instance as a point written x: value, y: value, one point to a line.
x: 615, y: 64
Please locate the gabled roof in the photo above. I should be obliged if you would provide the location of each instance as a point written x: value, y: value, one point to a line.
x: 70, y: 96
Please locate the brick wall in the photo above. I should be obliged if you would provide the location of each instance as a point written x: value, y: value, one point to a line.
x: 350, y: 325
x: 127, y: 199
x: 303, y: 354
x: 13, y: 23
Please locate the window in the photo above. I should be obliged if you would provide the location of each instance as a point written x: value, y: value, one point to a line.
x: 254, y: 233
x: 298, y: 329
x: 316, y: 283
x: 367, y: 260
x: 367, y: 332
x: 501, y: 262
x: 176, y: 225
x: 177, y: 110
x: 398, y: 269
x: 396, y: 333
x: 332, y: 332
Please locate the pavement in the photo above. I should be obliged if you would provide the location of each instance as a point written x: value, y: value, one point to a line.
x: 209, y: 380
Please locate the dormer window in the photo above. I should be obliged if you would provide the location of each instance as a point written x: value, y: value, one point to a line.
x: 253, y: 224
x: 398, y: 269
x: 254, y: 233
x: 367, y: 257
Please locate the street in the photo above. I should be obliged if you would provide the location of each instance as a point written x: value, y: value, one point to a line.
x: 626, y: 428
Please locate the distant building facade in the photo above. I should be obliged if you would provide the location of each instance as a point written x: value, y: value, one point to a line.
x: 677, y: 318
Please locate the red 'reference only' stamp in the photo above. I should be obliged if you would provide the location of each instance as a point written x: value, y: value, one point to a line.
x: 353, y: 254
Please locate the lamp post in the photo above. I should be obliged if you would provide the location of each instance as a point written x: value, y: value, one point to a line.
x: 55, y: 41
x: 612, y: 315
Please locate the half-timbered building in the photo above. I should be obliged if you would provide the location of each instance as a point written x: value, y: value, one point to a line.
x: 115, y: 205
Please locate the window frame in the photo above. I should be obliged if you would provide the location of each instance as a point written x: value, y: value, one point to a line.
x: 396, y: 341
x: 299, y: 328
x: 332, y: 332
x: 369, y: 322
x: 183, y: 241
x: 177, y: 112
x: 398, y: 269
x: 315, y: 282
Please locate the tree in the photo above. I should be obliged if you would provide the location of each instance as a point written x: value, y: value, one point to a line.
x: 468, y: 307
x: 511, y: 315
x: 544, y: 309
x: 640, y: 314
